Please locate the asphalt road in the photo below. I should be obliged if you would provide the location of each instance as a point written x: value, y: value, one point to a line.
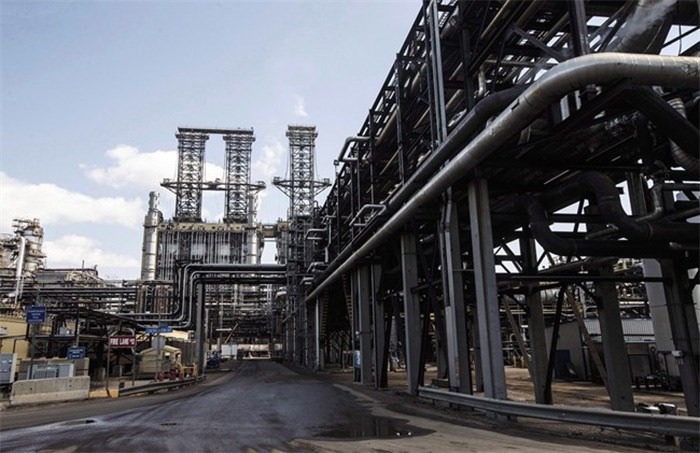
x: 259, y: 406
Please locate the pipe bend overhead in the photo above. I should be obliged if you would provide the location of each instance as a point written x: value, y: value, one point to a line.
x: 554, y: 243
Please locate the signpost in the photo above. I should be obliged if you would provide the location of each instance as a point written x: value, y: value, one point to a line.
x: 36, y: 314
x: 117, y: 342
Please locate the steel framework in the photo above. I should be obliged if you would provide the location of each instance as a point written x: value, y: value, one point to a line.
x: 190, y: 175
x: 237, y: 167
x: 497, y: 120
x: 301, y: 187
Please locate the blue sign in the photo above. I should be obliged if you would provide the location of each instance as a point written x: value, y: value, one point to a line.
x: 157, y: 330
x: 76, y: 353
x: 36, y: 314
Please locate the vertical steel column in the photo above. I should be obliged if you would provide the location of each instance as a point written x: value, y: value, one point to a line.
x: 684, y: 326
x: 536, y: 326
x: 364, y: 300
x: 355, y: 312
x: 379, y: 330
x: 436, y: 88
x: 672, y: 312
x: 614, y: 347
x: 579, y: 29
x: 398, y: 93
x: 317, y: 334
x: 411, y: 304
x: 486, y: 290
x: 478, y: 368
x: 199, y: 332
x: 453, y: 295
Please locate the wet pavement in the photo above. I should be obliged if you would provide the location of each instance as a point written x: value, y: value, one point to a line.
x: 258, y: 406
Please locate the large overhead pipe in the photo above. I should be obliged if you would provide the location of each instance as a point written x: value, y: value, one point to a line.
x: 610, y: 206
x: 681, y: 156
x: 552, y: 242
x: 646, y: 29
x: 605, y: 68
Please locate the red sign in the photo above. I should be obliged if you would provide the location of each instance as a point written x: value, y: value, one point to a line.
x: 122, y: 342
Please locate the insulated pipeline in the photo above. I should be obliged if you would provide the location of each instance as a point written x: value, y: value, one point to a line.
x: 602, y: 68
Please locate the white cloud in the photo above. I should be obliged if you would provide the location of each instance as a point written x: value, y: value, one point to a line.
x: 77, y: 251
x: 269, y: 163
x: 299, y: 107
x: 133, y: 168
x: 52, y: 204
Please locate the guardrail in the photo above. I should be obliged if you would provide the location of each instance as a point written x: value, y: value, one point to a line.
x: 673, y: 425
x: 157, y: 386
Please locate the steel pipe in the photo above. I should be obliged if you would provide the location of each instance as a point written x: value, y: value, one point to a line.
x: 603, y: 68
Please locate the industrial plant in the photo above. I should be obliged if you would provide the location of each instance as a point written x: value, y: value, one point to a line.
x: 523, y: 192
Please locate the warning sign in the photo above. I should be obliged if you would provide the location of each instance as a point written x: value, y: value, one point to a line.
x: 124, y: 341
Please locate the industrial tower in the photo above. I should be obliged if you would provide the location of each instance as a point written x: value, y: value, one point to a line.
x: 301, y: 187
x: 187, y: 238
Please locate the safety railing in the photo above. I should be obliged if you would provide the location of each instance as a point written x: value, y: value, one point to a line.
x: 672, y: 425
x: 153, y: 387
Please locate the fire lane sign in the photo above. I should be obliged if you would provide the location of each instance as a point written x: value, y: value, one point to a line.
x: 122, y: 341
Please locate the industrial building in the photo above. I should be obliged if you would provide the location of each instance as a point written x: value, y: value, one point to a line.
x: 525, y: 183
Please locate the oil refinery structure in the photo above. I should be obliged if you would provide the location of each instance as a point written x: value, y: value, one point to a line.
x: 526, y: 166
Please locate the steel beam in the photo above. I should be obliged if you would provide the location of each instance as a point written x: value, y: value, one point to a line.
x: 614, y: 347
x: 459, y: 371
x: 411, y: 304
x: 536, y: 327
x: 684, y: 327
x: 379, y: 332
x: 486, y: 290
x: 364, y: 303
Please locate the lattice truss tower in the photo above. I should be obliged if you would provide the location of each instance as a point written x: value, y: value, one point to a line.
x: 239, y: 147
x: 190, y: 176
x: 301, y: 187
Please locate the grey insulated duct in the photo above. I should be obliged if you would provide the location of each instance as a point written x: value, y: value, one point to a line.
x: 646, y: 29
x: 604, y: 68
x: 552, y: 242
x: 610, y: 207
x: 680, y: 156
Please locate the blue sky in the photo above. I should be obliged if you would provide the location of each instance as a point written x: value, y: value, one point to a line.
x: 91, y: 95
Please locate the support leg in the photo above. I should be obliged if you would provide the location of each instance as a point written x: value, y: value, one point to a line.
x: 486, y: 291
x: 411, y: 302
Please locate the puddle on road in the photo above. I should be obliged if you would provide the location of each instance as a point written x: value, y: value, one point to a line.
x: 374, y: 428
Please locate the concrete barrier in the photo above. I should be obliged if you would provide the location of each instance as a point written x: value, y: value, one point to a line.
x: 50, y: 390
